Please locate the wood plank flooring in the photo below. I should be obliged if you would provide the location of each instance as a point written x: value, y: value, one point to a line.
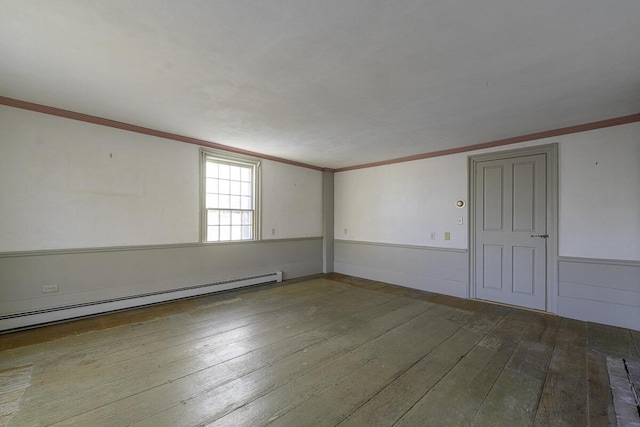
x: 325, y: 351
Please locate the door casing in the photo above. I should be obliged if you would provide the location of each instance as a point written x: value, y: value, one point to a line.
x: 551, y: 151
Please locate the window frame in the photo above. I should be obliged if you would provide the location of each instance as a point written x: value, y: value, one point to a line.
x: 207, y: 154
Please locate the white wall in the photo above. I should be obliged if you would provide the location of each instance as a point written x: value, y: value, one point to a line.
x: 66, y: 184
x: 69, y: 184
x: 291, y: 201
x: 599, y: 203
x: 403, y: 203
x: 600, y: 194
x: 394, y: 208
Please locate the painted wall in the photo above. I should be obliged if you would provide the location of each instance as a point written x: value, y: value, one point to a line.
x: 600, y: 194
x: 599, y: 174
x: 291, y: 201
x: 384, y: 217
x: 403, y: 203
x: 130, y: 204
x: 69, y: 184
x: 90, y: 276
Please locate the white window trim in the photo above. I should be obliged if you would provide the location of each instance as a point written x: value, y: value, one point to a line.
x: 224, y: 156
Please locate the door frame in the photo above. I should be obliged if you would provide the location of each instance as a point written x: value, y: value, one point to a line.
x: 551, y: 151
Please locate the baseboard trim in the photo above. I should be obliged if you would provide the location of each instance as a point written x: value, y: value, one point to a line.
x: 15, y: 321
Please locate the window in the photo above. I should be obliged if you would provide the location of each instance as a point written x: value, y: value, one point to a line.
x: 230, y: 198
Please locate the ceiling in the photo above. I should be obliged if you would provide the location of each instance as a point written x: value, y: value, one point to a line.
x: 331, y: 83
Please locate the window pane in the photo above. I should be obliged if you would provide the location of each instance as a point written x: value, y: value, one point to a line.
x: 236, y: 218
x: 245, y: 203
x: 234, y: 187
x: 236, y: 232
x: 212, y: 169
x: 228, y: 199
x: 213, y: 234
x: 224, y: 171
x: 212, y: 185
x: 246, y: 175
x: 225, y: 217
x: 234, y: 173
x: 225, y: 233
x: 211, y: 201
x: 247, y: 232
x: 224, y: 187
x: 246, y: 218
x: 213, y: 217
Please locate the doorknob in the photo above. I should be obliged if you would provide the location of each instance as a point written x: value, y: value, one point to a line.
x: 544, y: 236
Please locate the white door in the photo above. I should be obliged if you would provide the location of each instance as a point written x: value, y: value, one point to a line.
x: 511, y: 230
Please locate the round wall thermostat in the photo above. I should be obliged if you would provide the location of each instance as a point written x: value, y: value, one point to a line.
x: 460, y: 203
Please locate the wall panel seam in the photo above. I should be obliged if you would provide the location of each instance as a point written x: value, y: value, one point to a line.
x: 45, y: 252
x: 573, y: 297
x: 401, y: 246
x: 579, y: 260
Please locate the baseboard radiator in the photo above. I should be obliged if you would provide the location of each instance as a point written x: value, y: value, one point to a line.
x: 17, y: 321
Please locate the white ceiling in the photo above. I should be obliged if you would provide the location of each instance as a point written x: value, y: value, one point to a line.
x: 331, y: 83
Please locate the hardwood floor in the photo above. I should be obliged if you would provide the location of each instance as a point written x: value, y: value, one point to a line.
x: 331, y: 350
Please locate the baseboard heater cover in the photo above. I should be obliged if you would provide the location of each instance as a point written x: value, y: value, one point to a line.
x: 17, y: 321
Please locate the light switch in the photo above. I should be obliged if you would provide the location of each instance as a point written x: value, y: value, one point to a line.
x: 460, y: 220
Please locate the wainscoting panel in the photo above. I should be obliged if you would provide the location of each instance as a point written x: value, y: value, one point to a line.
x: 440, y: 270
x: 603, y: 291
x: 88, y: 275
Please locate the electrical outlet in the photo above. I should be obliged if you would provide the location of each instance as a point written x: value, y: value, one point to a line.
x: 447, y: 235
x: 273, y: 231
x: 49, y: 289
x: 432, y: 236
x: 345, y: 231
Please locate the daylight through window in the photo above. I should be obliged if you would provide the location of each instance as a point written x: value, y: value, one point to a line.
x: 230, y: 209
